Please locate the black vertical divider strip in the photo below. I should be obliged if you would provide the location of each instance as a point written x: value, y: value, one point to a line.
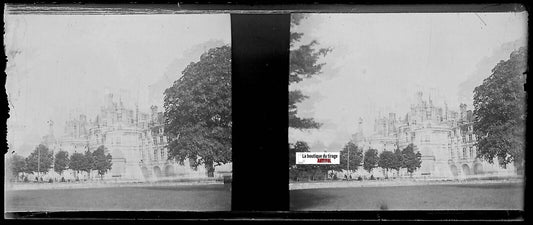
x: 260, y: 67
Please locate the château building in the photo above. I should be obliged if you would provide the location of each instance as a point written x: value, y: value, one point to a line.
x: 134, y: 139
x: 444, y: 137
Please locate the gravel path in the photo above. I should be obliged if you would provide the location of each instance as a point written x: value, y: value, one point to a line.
x: 393, y: 183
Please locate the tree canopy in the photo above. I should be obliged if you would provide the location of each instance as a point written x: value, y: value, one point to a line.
x: 40, y: 160
x: 355, y: 157
x: 370, y: 160
x: 88, y: 162
x: 300, y: 146
x: 500, y: 112
x: 411, y: 160
x: 102, y: 162
x: 304, y: 63
x: 77, y: 161
x: 61, y: 162
x: 398, y: 162
x: 387, y: 160
x: 17, y: 165
x: 198, y: 111
x: 306, y: 170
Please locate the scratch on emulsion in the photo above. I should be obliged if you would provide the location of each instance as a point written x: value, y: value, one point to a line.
x: 481, y: 19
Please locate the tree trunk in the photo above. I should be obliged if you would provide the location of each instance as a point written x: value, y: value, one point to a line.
x: 210, y: 169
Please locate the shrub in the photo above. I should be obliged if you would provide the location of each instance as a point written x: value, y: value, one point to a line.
x: 359, y: 178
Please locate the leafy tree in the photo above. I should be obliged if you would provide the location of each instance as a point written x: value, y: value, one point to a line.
x: 411, y: 160
x: 355, y: 157
x: 17, y: 165
x: 370, y: 160
x: 300, y: 146
x: 303, y: 64
x: 77, y: 161
x: 296, y: 171
x: 198, y: 111
x: 302, y: 170
x: 398, y: 161
x: 386, y: 161
x: 88, y: 163
x: 500, y: 112
x: 40, y: 160
x: 102, y: 162
x: 303, y: 61
x: 61, y: 162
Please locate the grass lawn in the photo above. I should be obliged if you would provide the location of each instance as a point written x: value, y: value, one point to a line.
x: 213, y: 197
x: 425, y: 197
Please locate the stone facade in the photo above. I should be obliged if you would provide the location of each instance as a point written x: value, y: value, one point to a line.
x: 444, y: 137
x: 134, y: 139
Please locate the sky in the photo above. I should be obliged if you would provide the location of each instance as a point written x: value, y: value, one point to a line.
x: 65, y: 64
x: 379, y: 61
